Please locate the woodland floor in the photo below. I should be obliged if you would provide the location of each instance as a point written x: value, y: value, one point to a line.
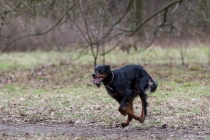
x: 61, y: 102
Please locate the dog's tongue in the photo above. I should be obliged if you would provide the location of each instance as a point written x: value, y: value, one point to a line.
x: 97, y: 80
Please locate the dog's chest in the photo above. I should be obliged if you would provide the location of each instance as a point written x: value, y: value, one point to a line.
x: 113, y: 93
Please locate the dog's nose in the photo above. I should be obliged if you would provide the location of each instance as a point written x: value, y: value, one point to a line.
x: 93, y: 75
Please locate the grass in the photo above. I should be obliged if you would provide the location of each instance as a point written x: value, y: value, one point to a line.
x: 153, y: 55
x: 57, y: 87
x: 31, y: 59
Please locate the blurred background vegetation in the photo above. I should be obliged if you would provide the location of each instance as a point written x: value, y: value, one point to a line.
x: 48, y: 49
x: 100, y: 26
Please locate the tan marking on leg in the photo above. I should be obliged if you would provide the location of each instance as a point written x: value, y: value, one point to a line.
x: 129, y: 108
x: 142, y: 116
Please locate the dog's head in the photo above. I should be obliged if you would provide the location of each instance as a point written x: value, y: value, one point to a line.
x: 100, y: 74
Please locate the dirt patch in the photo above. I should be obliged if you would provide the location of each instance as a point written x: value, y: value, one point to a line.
x: 78, y: 130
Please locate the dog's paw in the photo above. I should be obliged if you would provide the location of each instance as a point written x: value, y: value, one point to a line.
x: 124, y: 125
x: 141, y: 120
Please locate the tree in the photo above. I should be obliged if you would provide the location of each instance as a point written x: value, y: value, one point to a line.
x: 99, y: 24
x: 23, y: 17
x: 95, y: 23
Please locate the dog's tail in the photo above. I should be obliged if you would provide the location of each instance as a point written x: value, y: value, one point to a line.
x: 152, y: 85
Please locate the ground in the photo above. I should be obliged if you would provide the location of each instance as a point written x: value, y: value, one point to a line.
x: 93, y: 132
x: 60, y: 101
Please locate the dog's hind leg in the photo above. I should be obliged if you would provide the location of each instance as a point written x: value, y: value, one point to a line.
x: 144, y: 107
x: 142, y: 85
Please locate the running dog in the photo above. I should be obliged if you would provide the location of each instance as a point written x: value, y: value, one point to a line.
x: 124, y: 84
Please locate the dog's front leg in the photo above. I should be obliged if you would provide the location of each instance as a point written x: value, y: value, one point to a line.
x: 129, y: 106
x: 122, y: 108
x: 126, y: 108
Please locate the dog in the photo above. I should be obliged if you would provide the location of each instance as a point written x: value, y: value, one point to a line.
x: 124, y: 84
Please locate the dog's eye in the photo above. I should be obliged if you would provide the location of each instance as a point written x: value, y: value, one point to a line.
x: 100, y: 70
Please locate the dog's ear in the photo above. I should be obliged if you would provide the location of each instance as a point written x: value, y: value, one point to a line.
x: 108, y: 68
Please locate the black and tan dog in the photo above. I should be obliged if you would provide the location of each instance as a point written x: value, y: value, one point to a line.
x: 124, y: 85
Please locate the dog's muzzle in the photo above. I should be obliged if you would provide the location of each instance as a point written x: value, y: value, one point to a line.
x: 97, y: 80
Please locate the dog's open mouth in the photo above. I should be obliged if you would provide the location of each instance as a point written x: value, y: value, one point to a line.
x: 97, y: 81
x: 98, y: 78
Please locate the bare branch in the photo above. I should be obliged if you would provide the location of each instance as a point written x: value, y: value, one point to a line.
x: 58, y: 23
x: 152, y: 16
x: 111, y: 48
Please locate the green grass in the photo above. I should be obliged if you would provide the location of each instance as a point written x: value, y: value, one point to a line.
x: 57, y: 86
x: 153, y: 55
x: 31, y: 59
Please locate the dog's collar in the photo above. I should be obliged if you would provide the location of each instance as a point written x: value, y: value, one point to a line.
x: 110, y: 82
